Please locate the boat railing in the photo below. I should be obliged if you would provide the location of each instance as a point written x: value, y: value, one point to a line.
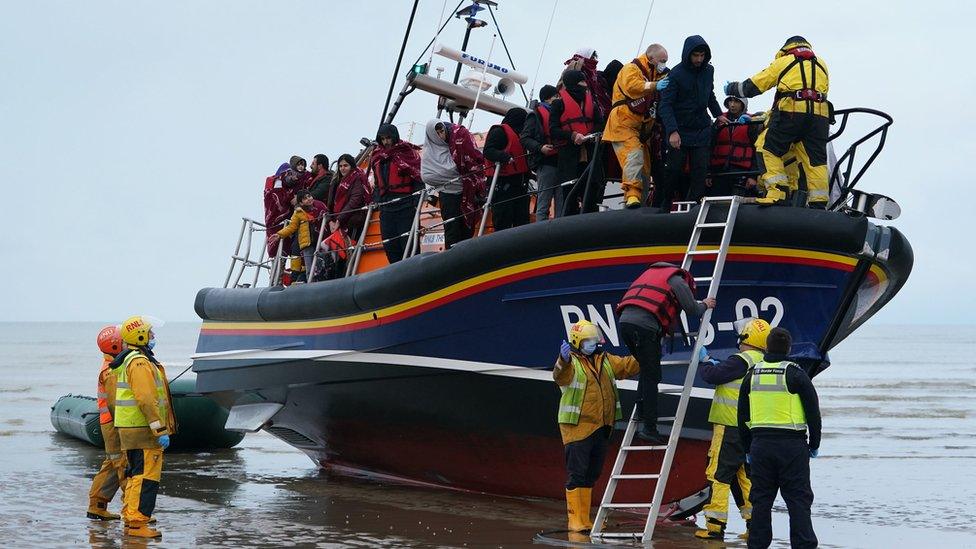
x: 242, y: 259
x: 843, y: 175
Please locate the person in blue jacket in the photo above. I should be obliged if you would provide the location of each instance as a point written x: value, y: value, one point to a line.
x: 684, y: 108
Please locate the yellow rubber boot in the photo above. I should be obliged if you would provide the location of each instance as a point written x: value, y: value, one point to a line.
x: 98, y: 510
x: 714, y: 529
x: 141, y: 530
x: 774, y: 195
x: 633, y: 202
x: 574, y: 510
x: 586, y: 500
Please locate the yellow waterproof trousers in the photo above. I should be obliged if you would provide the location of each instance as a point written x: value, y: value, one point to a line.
x: 143, y: 470
x: 726, y: 465
x: 108, y: 480
x: 792, y: 135
x: 635, y: 162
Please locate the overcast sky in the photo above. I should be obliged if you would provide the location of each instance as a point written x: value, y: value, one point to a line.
x: 134, y: 135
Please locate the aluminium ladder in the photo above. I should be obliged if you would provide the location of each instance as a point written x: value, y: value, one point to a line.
x: 627, y: 446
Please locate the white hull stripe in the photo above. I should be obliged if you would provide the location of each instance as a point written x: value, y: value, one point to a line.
x: 486, y: 368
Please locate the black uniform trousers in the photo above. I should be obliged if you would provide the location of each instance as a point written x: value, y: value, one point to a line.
x: 510, y: 203
x: 674, y: 165
x: 584, y: 459
x: 781, y: 463
x: 395, y: 220
x: 644, y: 344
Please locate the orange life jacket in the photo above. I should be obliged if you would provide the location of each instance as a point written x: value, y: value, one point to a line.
x: 513, y: 148
x: 733, y: 148
x: 652, y: 293
x: 575, y: 119
x: 104, y: 414
x: 543, y: 113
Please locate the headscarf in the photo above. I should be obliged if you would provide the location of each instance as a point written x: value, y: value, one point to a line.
x: 571, y: 81
x: 515, y: 118
x: 388, y: 130
x: 295, y: 160
x: 436, y: 163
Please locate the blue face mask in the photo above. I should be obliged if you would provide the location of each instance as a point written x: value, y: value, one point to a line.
x: 589, y: 346
x: 151, y: 344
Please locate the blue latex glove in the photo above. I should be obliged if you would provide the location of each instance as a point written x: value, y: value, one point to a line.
x: 164, y: 441
x: 564, y: 349
x: 661, y: 84
x: 814, y: 453
x: 743, y: 119
x: 703, y: 354
x: 748, y: 459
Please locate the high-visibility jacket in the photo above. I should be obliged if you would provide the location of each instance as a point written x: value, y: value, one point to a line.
x: 725, y: 403
x: 652, y: 293
x: 127, y: 411
x: 515, y: 149
x: 106, y: 392
x: 575, y: 119
x: 771, y: 404
x: 733, y: 148
x: 800, y: 78
x: 590, y: 402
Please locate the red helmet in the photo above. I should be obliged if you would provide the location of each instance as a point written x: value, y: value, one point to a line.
x: 110, y: 340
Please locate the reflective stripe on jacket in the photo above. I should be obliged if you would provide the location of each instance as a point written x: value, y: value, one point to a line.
x: 795, y: 68
x: 771, y: 404
x: 106, y: 383
x: 127, y: 412
x: 725, y: 403
x: 571, y: 402
x: 595, y: 402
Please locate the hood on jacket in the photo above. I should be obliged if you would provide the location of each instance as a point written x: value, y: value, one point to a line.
x: 745, y: 103
x: 284, y: 167
x: 295, y: 161
x: 515, y: 118
x: 610, y: 73
x: 571, y: 81
x: 548, y: 92
x: 388, y: 130
x: 692, y: 43
x: 792, y: 43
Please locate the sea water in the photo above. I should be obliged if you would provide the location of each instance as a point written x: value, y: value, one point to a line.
x: 898, y: 460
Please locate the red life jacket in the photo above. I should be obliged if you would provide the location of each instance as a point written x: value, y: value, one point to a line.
x: 543, y: 113
x: 515, y: 149
x: 397, y: 183
x: 104, y: 414
x: 574, y: 119
x: 652, y: 293
x: 733, y: 148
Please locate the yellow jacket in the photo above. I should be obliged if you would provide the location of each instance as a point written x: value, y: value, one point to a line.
x: 622, y: 122
x: 805, y: 74
x: 599, y: 401
x: 142, y: 381
x: 106, y: 380
x: 300, y: 222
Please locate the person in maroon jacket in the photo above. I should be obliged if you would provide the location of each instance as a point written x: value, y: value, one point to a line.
x: 648, y: 312
x: 352, y: 194
x: 395, y: 168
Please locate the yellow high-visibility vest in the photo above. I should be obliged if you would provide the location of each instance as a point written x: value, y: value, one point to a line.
x: 771, y: 404
x: 571, y: 402
x: 725, y: 403
x: 127, y: 412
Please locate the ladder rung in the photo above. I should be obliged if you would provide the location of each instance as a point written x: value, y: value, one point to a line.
x: 642, y: 448
x: 627, y: 505
x: 666, y: 418
x: 710, y: 225
x: 674, y: 362
x: 702, y: 279
x: 634, y: 476
x: 702, y: 252
x: 677, y: 391
x: 619, y: 535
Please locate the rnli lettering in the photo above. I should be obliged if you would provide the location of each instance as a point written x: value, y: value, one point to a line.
x: 133, y: 325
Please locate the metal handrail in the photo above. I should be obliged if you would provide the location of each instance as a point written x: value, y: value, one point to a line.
x: 849, y: 154
x: 491, y: 194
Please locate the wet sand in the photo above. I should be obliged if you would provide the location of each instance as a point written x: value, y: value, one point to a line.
x: 899, y: 444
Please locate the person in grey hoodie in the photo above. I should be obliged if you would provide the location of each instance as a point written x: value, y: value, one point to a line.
x: 441, y: 173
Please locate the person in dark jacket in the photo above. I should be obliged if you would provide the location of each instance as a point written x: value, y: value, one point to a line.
x: 351, y: 195
x: 647, y: 312
x: 395, y: 168
x: 778, y: 408
x: 510, y: 203
x: 535, y: 138
x: 321, y: 183
x: 684, y: 108
x: 575, y: 151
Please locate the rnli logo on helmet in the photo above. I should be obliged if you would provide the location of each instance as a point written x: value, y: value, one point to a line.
x: 134, y: 324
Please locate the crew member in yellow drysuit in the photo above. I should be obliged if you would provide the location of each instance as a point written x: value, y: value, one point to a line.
x: 109, y: 478
x: 635, y: 96
x: 798, y: 122
x: 144, y: 418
